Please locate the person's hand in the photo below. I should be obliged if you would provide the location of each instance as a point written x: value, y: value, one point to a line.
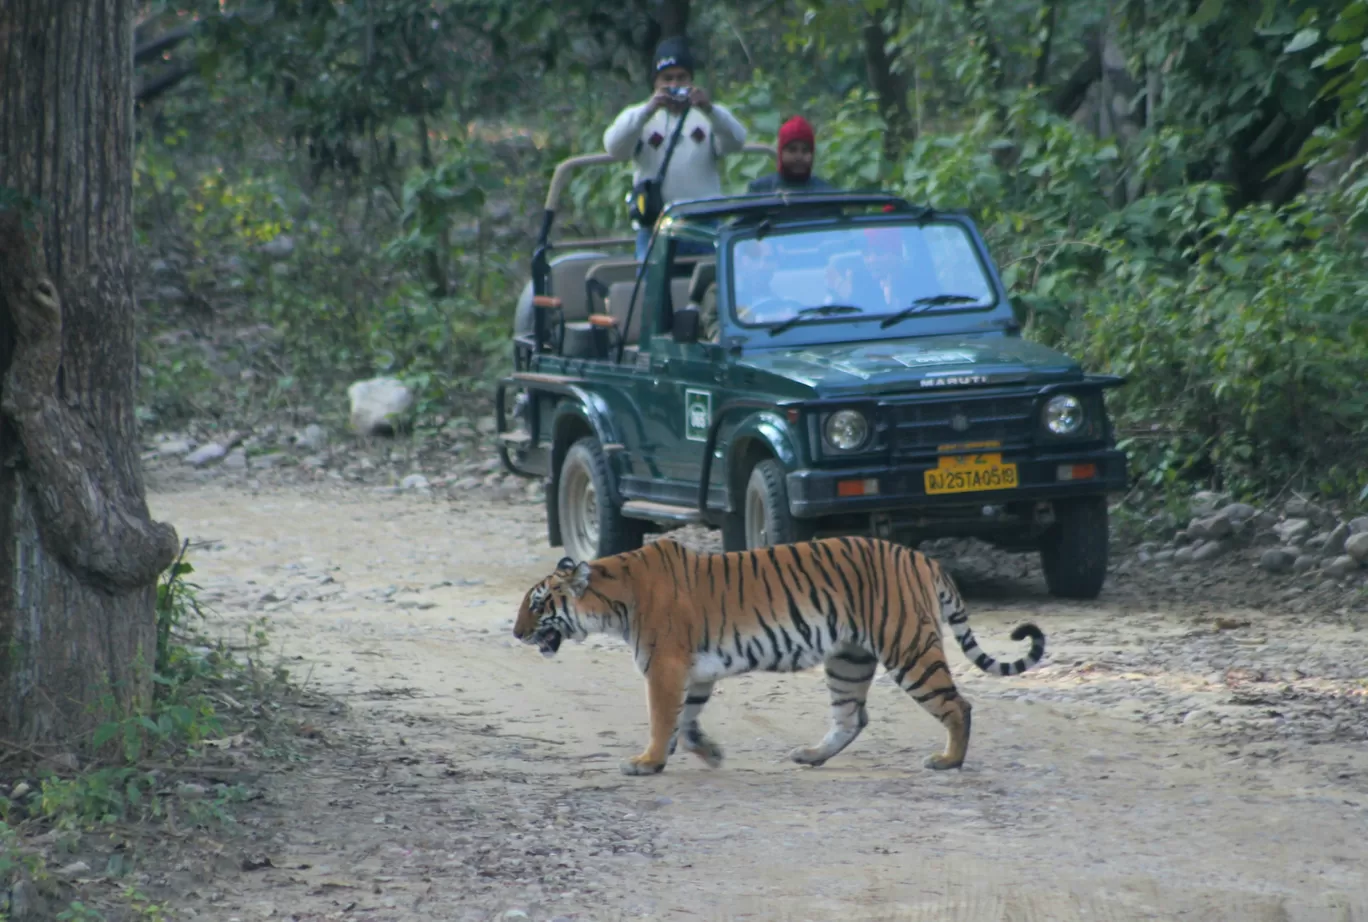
x: 656, y: 102
x: 698, y: 98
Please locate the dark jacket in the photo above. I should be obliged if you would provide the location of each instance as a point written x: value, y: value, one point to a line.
x: 775, y: 182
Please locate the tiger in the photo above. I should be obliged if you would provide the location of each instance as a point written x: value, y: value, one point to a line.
x: 692, y: 618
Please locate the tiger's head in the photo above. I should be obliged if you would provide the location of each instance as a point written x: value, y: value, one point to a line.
x: 547, y: 615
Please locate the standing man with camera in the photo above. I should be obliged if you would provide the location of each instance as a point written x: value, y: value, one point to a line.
x: 674, y: 140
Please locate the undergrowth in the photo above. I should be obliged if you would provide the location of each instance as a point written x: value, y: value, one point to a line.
x: 165, y: 773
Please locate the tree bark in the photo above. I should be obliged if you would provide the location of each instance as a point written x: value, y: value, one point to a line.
x: 889, y: 85
x: 79, y: 555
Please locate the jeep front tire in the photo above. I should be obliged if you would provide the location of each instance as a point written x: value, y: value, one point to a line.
x: 1073, y: 550
x: 591, y: 524
x: 764, y: 519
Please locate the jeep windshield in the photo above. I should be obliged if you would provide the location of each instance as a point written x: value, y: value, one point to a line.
x: 863, y: 273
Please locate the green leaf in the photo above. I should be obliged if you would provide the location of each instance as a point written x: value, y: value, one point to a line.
x: 1302, y: 40
x: 1208, y: 11
x: 104, y: 733
x: 1337, y: 56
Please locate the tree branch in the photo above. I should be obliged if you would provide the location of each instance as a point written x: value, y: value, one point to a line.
x: 106, y: 539
x: 1070, y: 94
x: 149, y: 90
x: 990, y: 48
x: 1042, y: 67
x: 153, y: 49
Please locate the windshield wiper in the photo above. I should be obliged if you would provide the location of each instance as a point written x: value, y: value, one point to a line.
x: 923, y: 304
x: 821, y: 310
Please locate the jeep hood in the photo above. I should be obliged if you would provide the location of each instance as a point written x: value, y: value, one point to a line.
x: 917, y: 364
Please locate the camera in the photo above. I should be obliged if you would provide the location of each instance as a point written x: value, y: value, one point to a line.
x: 679, y: 93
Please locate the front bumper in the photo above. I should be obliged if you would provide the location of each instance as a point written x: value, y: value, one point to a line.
x: 814, y: 493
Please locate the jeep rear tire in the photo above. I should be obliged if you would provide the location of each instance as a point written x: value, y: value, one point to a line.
x: 764, y: 519
x: 591, y: 524
x: 1073, y: 550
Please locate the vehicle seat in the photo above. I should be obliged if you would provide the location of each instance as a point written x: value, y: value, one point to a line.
x: 602, y: 275
x: 567, y: 283
x: 703, y: 279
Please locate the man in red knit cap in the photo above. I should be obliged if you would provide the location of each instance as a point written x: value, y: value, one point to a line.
x: 797, y: 144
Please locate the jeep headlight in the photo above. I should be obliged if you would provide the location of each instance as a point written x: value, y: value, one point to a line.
x: 846, y: 430
x: 1064, y: 414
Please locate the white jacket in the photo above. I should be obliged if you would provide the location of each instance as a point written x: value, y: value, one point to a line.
x: 693, y: 166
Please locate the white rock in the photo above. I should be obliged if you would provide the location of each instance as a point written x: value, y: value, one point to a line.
x: 1277, y: 560
x: 174, y: 448
x: 1334, y: 542
x: 378, y: 404
x: 1357, y: 547
x: 1238, y: 512
x: 1293, y: 530
x: 1341, y: 567
x: 414, y: 482
x: 206, y: 454
x: 1209, y: 551
x: 312, y: 438
x: 1215, y: 526
x: 1205, y: 502
x: 236, y: 460
x: 1359, y: 525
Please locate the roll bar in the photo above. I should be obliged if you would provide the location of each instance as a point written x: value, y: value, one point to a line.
x: 561, y: 178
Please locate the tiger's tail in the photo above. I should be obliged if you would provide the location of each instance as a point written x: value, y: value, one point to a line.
x: 955, y: 613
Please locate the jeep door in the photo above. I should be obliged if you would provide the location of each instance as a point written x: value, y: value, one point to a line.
x: 678, y: 395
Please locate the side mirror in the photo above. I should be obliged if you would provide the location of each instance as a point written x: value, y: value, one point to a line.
x: 686, y: 325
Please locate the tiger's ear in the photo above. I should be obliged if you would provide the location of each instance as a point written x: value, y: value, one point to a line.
x: 579, y: 580
x: 565, y: 565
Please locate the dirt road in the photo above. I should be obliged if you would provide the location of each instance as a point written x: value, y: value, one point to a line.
x: 1184, y: 763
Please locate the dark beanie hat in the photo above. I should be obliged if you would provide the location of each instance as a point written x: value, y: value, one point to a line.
x: 673, y: 52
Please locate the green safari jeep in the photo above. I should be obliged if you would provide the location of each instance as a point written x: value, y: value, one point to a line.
x: 783, y: 366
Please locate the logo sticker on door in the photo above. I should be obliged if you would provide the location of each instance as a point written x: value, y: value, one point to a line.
x: 697, y: 415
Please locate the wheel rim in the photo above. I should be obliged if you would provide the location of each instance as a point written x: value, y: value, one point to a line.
x: 579, y: 514
x: 757, y: 535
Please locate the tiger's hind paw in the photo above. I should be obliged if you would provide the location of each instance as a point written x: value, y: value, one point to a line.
x: 940, y: 763
x: 804, y: 755
x: 705, y: 749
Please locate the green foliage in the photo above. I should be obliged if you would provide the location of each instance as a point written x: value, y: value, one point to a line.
x: 1241, y: 336
x: 1162, y: 230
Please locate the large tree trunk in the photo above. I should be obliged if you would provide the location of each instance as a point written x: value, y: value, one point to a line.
x: 79, y: 556
x: 889, y: 85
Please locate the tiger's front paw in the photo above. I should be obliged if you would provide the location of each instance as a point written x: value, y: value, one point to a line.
x: 642, y: 765
x: 940, y: 763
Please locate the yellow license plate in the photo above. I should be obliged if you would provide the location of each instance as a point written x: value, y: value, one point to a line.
x: 970, y: 474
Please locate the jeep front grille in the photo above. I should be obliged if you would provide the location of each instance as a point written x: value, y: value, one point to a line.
x: 918, y: 428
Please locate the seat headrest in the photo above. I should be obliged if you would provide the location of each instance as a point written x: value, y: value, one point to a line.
x: 704, y: 274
